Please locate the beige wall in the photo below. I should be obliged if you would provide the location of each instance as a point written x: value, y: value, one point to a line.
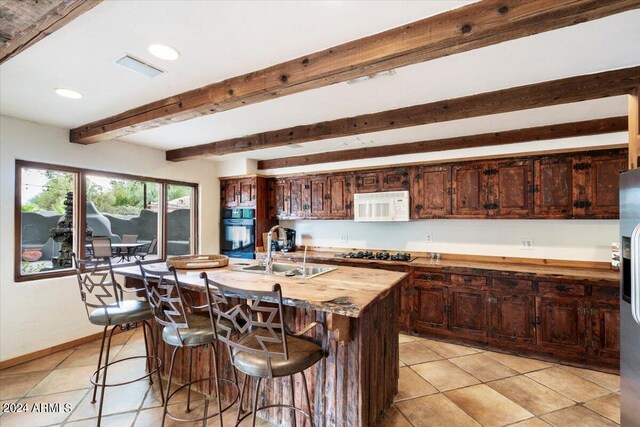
x: 39, y: 314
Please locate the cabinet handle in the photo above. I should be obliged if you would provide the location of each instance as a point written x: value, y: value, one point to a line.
x: 467, y: 280
x: 561, y: 288
x: 327, y: 196
x: 535, y: 320
x: 419, y: 207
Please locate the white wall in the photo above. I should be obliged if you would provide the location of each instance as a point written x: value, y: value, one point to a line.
x: 39, y: 314
x: 588, y: 240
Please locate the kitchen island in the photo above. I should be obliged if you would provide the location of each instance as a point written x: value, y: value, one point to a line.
x: 356, y: 382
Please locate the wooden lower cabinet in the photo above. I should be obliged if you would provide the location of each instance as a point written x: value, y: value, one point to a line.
x: 568, y: 320
x: 468, y: 312
x: 605, y: 330
x: 561, y: 323
x: 431, y: 302
x: 513, y: 318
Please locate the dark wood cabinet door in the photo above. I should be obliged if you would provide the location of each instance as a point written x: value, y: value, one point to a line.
x: 430, y: 306
x: 468, y: 312
x: 247, y: 192
x: 368, y: 182
x: 395, y: 179
x: 431, y: 192
x: 561, y: 323
x: 298, y: 197
x: 605, y: 330
x: 340, y: 198
x: 553, y: 189
x: 604, y: 174
x: 513, y: 318
x: 280, y: 207
x: 319, y: 198
x: 469, y: 190
x: 510, y: 189
x: 229, y: 193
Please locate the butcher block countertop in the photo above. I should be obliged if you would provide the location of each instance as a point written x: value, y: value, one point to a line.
x: 348, y: 291
x: 536, y: 268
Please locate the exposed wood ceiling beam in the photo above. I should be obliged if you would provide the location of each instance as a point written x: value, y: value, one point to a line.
x: 27, y: 32
x: 571, y: 89
x: 539, y: 133
x: 469, y: 27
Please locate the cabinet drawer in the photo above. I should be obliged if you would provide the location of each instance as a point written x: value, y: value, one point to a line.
x: 464, y: 280
x: 512, y: 285
x: 605, y: 293
x: 430, y: 276
x: 550, y: 288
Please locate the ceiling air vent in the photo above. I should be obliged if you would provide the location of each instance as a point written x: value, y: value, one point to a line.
x: 139, y: 67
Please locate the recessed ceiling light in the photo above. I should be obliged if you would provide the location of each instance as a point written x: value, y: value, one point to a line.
x: 164, y: 52
x: 68, y: 93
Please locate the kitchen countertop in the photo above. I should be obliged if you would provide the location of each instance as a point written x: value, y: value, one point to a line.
x: 548, y: 271
x: 357, y: 285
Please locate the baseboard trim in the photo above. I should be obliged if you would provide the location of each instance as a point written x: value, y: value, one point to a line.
x: 54, y: 349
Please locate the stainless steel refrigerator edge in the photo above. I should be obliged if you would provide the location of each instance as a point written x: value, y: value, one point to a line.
x: 630, y: 289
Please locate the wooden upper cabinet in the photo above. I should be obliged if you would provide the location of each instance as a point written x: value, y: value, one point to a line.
x: 298, y: 197
x: 510, y: 185
x: 553, y: 188
x: 430, y: 191
x: 604, y: 184
x: 246, y: 192
x: 395, y: 179
x: 340, y: 197
x: 319, y: 197
x: 469, y: 189
x: 368, y: 181
x: 280, y: 196
x: 229, y: 193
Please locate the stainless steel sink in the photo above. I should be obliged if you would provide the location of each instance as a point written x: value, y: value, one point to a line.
x: 289, y: 270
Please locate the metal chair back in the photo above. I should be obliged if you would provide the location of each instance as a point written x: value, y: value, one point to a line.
x: 129, y: 238
x: 259, y: 322
x: 165, y: 297
x: 101, y: 247
x: 152, y: 246
x: 98, y: 286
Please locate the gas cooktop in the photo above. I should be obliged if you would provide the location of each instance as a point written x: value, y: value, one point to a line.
x: 377, y: 256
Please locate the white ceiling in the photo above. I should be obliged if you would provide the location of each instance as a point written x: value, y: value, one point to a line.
x: 223, y: 39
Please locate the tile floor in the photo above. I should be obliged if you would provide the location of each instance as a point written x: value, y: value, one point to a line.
x: 440, y: 384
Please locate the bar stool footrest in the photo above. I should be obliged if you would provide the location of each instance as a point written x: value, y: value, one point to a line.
x: 208, y: 416
x: 96, y: 374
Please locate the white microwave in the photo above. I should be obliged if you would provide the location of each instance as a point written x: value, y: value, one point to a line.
x: 387, y: 206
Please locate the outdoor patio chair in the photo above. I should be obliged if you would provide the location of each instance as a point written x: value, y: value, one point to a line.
x: 129, y: 238
x: 150, y: 250
x: 101, y: 247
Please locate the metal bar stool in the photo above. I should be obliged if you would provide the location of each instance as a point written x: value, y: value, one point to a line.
x: 264, y: 349
x: 104, y: 302
x: 182, y: 327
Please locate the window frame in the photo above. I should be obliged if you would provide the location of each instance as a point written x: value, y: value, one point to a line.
x: 79, y: 212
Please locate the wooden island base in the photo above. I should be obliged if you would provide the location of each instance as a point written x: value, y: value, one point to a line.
x: 353, y: 386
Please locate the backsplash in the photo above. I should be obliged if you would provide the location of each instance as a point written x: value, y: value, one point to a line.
x: 585, y: 240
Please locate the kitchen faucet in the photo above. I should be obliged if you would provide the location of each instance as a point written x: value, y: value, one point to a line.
x: 269, y: 260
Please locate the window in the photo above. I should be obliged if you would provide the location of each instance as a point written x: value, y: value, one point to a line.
x: 180, y: 230
x: 46, y: 220
x: 143, y: 218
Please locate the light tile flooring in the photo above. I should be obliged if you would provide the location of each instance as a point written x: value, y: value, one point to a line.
x: 440, y: 384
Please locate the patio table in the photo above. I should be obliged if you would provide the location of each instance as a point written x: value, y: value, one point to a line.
x: 130, y: 249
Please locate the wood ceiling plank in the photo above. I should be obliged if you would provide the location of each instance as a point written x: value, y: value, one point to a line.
x: 539, y: 133
x: 53, y: 16
x: 555, y: 92
x: 469, y: 27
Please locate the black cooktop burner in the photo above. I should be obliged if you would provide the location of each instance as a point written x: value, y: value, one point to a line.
x: 378, y: 256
